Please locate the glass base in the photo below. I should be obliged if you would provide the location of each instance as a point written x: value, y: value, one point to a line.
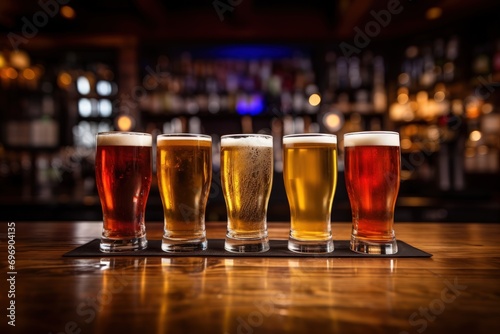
x: 302, y: 246
x: 122, y: 245
x: 182, y: 245
x: 370, y: 247
x: 246, y: 245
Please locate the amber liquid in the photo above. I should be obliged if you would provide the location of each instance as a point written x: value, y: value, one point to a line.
x: 247, y: 176
x: 123, y: 177
x: 310, y: 177
x: 372, y: 175
x: 184, y: 169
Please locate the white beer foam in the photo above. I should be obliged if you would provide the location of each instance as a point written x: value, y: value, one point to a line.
x: 124, y: 139
x: 200, y: 138
x: 371, y: 139
x: 310, y: 140
x: 247, y: 141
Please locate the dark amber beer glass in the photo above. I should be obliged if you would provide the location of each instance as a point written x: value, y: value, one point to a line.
x: 372, y: 175
x: 310, y: 177
x: 123, y: 178
x: 247, y: 177
x: 184, y: 170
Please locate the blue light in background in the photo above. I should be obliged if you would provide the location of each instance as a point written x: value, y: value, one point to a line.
x: 250, y: 104
x: 250, y: 52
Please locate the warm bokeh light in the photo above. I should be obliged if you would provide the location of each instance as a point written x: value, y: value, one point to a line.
x: 422, y: 97
x: 124, y: 123
x: 448, y: 67
x: 28, y: 74
x: 314, y: 100
x: 433, y: 13
x: 3, y: 62
x: 11, y: 73
x: 19, y: 59
x: 433, y: 132
x: 406, y: 143
x: 473, y: 108
x: 475, y: 135
x: 403, y: 98
x: 439, y: 96
x: 482, y: 150
x: 487, y: 108
x: 412, y: 51
x: 68, y: 12
x: 414, y: 105
x: 64, y: 80
x: 404, y: 79
x: 333, y: 121
x: 470, y: 152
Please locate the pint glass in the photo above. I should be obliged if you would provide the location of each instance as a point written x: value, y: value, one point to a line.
x: 184, y: 170
x: 372, y: 174
x: 123, y: 178
x: 247, y: 177
x: 310, y: 177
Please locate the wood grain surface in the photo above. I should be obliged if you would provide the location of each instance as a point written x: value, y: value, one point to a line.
x: 455, y: 291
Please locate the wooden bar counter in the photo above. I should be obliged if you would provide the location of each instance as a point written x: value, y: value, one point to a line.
x: 455, y: 291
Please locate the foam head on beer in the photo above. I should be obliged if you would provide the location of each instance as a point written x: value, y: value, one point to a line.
x: 371, y: 139
x: 247, y: 141
x: 176, y: 138
x: 124, y: 139
x: 316, y: 139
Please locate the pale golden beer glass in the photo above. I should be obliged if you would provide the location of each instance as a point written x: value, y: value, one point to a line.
x: 247, y: 177
x: 184, y: 171
x: 310, y: 177
x: 372, y: 175
x: 123, y: 177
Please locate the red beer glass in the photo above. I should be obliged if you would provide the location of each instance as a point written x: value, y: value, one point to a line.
x: 372, y: 162
x: 123, y: 177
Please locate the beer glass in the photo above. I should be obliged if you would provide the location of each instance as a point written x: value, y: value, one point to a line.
x: 310, y: 177
x: 372, y: 174
x: 123, y: 178
x: 247, y: 177
x: 184, y: 170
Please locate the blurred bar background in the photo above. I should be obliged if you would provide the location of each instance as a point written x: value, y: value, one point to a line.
x: 427, y: 69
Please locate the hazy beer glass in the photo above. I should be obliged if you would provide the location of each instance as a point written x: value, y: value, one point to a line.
x: 247, y: 177
x: 123, y: 178
x: 310, y: 177
x: 372, y: 174
x: 184, y: 170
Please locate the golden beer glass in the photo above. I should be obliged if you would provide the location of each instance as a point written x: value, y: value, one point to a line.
x: 372, y: 175
x: 184, y: 171
x: 123, y: 178
x: 247, y: 177
x: 310, y: 177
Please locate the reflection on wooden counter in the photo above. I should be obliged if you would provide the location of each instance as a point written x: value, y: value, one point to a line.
x: 454, y: 291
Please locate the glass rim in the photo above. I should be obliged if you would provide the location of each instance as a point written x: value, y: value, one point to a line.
x: 123, y: 133
x: 375, y: 132
x: 244, y: 135
x: 310, y: 134
x: 184, y: 135
x: 372, y: 138
x: 246, y: 140
x: 124, y: 138
x: 310, y: 138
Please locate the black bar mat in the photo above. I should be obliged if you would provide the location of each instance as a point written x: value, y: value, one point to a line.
x: 215, y: 248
